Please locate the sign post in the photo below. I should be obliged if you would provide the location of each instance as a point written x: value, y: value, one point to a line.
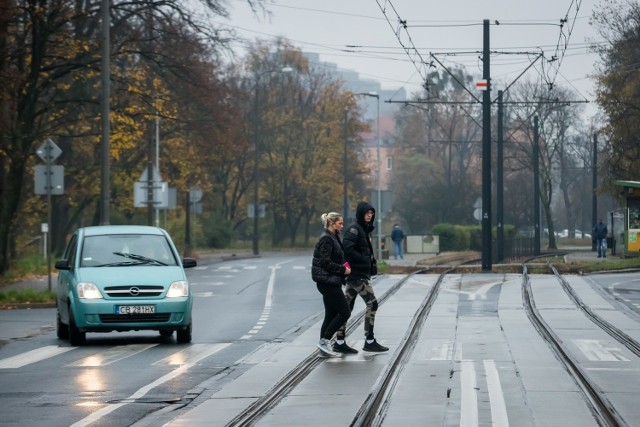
x: 48, y: 152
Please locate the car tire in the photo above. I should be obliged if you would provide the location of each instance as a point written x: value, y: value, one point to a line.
x: 183, y: 336
x: 62, y: 330
x: 76, y: 336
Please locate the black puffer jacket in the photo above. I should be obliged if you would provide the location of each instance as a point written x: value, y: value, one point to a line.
x: 357, y: 243
x: 328, y: 258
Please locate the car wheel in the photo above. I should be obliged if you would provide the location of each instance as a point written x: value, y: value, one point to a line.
x: 166, y: 333
x: 76, y: 336
x: 62, y: 330
x: 184, y: 335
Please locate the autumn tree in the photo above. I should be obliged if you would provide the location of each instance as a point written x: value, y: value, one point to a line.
x: 618, y: 89
x: 50, y: 64
x: 442, y: 127
x: 558, y: 121
x: 297, y: 125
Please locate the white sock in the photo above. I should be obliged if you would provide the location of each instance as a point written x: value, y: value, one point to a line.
x: 339, y: 342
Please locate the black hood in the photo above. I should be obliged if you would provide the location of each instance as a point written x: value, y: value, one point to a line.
x: 361, y: 209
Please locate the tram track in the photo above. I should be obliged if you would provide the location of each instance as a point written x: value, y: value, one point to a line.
x: 601, y: 407
x: 281, y: 389
x: 371, y: 412
x: 377, y: 402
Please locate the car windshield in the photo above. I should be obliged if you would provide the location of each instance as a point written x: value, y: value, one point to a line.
x: 126, y: 250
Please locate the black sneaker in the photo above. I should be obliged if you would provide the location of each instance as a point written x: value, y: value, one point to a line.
x: 374, y: 347
x: 344, y: 348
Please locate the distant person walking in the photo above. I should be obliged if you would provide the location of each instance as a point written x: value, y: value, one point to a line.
x: 359, y: 254
x: 328, y: 270
x: 397, y: 236
x: 600, y: 234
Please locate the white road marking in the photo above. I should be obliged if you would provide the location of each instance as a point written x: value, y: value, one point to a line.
x: 211, y: 349
x: 33, y: 356
x: 472, y: 295
x: 481, y: 291
x: 267, y: 302
x: 469, y: 400
x: 597, y: 351
x: 111, y: 355
x: 499, y: 416
x: 203, y: 294
x: 190, y: 355
x: 442, y: 351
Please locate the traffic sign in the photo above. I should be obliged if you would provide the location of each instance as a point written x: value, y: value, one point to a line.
x: 56, y: 180
x: 48, y: 151
x: 160, y: 194
x: 195, y: 194
x: 482, y: 84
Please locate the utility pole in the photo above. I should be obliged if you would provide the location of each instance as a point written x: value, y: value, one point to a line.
x: 536, y: 187
x: 486, y: 152
x: 499, y: 180
x: 105, y: 187
x: 594, y: 177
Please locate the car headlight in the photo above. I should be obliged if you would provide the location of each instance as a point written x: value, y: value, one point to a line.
x: 88, y: 291
x: 178, y: 289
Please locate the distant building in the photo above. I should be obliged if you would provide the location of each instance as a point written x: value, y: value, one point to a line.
x: 369, y: 106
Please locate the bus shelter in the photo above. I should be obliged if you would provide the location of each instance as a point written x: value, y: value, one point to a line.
x: 631, y: 194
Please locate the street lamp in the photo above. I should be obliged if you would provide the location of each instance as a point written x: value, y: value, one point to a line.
x: 379, y: 204
x: 345, y: 207
x: 256, y: 159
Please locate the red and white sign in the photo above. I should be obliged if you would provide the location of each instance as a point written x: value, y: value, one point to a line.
x: 482, y: 85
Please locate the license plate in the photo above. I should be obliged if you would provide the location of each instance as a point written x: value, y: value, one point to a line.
x: 135, y: 309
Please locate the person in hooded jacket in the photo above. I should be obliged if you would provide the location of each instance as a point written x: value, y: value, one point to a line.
x: 359, y: 254
x: 328, y: 270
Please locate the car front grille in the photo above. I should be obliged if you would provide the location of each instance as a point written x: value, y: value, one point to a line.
x: 127, y: 318
x: 143, y: 291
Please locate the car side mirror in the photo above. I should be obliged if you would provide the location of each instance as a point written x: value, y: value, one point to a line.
x: 188, y: 262
x: 63, y: 264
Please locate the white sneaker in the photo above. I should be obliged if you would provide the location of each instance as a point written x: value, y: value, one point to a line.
x: 325, y: 347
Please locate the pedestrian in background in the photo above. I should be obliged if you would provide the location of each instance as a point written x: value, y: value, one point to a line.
x: 397, y: 236
x: 359, y: 254
x: 328, y: 270
x: 600, y: 234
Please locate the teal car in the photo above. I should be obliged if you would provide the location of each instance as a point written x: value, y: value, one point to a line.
x: 122, y: 278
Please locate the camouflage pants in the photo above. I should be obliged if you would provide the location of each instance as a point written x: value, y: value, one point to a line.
x: 363, y: 288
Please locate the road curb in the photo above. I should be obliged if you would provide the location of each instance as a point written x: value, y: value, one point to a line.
x: 27, y: 306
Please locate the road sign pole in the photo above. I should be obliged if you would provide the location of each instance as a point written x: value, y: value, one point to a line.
x: 48, y: 152
x: 48, y: 163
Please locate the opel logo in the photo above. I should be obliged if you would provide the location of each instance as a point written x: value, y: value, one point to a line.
x: 134, y: 291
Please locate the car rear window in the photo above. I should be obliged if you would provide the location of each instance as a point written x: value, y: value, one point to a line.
x: 104, y: 250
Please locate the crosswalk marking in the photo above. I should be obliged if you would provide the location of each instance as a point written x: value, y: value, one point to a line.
x: 203, y: 294
x: 111, y: 355
x: 33, y: 356
x: 191, y: 354
x: 195, y: 353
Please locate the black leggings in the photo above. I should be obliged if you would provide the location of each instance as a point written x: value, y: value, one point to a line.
x: 336, y: 310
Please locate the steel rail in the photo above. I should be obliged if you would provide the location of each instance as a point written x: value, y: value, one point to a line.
x: 615, y: 332
x: 280, y: 390
x: 603, y: 411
